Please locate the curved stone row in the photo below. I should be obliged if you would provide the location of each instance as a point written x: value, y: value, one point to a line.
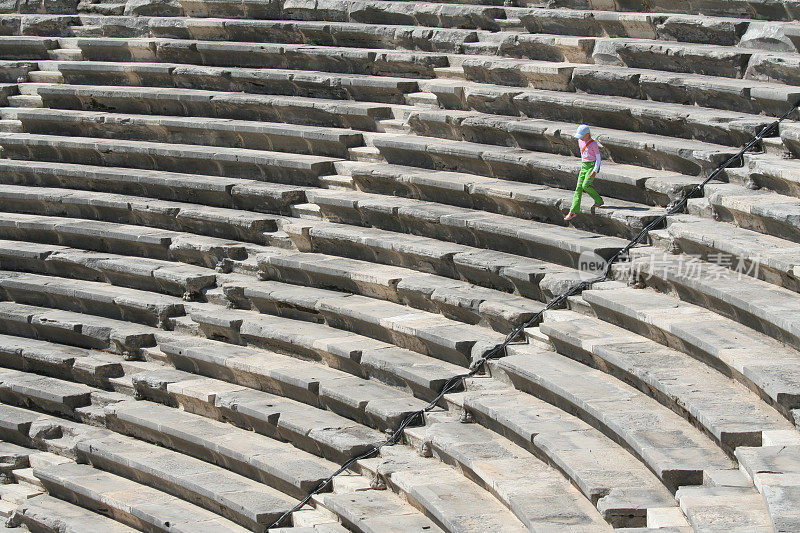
x: 237, y: 227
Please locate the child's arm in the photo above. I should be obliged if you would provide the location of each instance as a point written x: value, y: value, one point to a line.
x: 596, y: 163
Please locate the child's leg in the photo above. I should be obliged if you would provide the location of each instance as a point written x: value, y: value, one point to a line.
x: 576, y: 200
x: 588, y: 189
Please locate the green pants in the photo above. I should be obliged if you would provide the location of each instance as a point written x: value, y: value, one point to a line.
x: 585, y: 185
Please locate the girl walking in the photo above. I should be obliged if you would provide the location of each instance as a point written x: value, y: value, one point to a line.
x: 590, y: 166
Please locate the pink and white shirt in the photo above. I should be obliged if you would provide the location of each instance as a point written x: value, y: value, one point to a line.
x: 590, y: 151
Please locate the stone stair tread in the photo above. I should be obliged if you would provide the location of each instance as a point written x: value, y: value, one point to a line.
x: 774, y: 471
x: 373, y: 510
x: 711, y: 400
x: 500, y: 467
x: 760, y: 362
x: 245, y: 501
x: 49, y: 394
x: 542, y: 201
x: 45, y: 511
x: 118, y: 303
x: 360, y: 87
x: 421, y: 331
x: 300, y: 139
x: 55, y: 360
x: 244, y: 452
x: 163, y: 214
x: 422, y: 375
x: 757, y: 304
x: 751, y: 96
x: 464, y: 226
x: 137, y: 273
x: 169, y: 156
x: 729, y: 508
x: 515, y: 164
x: 676, y: 451
x: 763, y: 211
x: 687, y: 156
x: 365, y: 401
x: 623, y: 490
x: 453, y: 298
x: 127, y: 501
x: 317, y: 431
x: 75, y: 329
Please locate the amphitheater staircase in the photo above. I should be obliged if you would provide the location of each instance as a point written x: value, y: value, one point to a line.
x: 242, y: 241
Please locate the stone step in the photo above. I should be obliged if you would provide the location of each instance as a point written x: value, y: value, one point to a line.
x: 14, y: 460
x: 90, y: 297
x: 25, y: 477
x: 419, y: 331
x: 47, y: 394
x: 662, y: 118
x: 624, y: 491
x: 561, y: 245
x: 624, y: 181
x: 310, y: 32
x: 690, y: 157
x: 18, y: 494
x: 13, y: 71
x: 187, y: 281
x: 399, y: 63
x: 276, y: 464
x: 537, y: 494
x: 223, y: 133
x: 45, y: 76
x: 443, y: 15
x: 729, y: 508
x: 639, y: 24
x: 45, y: 513
x: 751, y: 9
x: 320, y: 432
x: 63, y: 362
x: 767, y: 367
x: 6, y: 510
x: 419, y: 375
x: 753, y: 303
x: 27, y: 48
x: 298, y: 83
x: 25, y: 100
x: 365, y: 401
x: 537, y: 46
x: 503, y: 271
x: 710, y: 400
x: 454, y: 503
x: 235, y: 497
x: 215, y: 191
x: 747, y: 252
x: 367, y: 511
x: 762, y: 211
x: 548, y: 75
x: 123, y: 239
x: 747, y: 96
x: 217, y: 222
x: 770, y: 172
x: 774, y: 471
x: 127, y: 501
x: 454, y: 299
x: 673, y: 449
x: 219, y: 104
x: 261, y: 165
x: 527, y: 201
x: 74, y: 329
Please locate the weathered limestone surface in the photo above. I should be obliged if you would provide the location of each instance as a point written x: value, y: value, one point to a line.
x: 240, y: 241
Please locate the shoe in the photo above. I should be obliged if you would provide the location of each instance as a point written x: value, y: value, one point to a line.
x: 598, y: 205
x: 570, y: 216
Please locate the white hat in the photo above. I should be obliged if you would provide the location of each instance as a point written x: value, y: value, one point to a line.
x: 583, y: 129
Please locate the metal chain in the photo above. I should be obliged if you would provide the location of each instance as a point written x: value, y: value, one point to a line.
x: 492, y: 353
